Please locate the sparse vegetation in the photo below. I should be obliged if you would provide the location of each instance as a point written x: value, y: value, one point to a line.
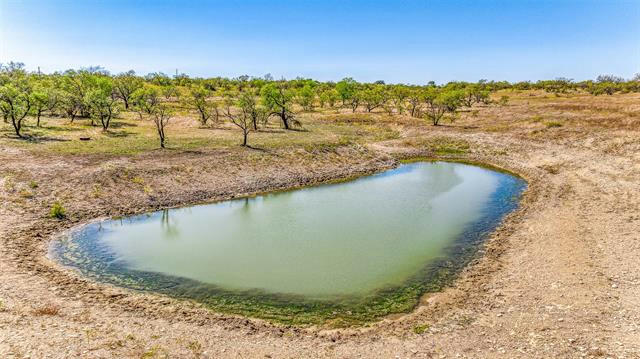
x: 551, y: 124
x: 420, y: 329
x: 57, y: 210
x: 93, y: 94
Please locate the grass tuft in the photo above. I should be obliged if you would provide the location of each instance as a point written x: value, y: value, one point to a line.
x: 57, y: 211
x: 420, y: 329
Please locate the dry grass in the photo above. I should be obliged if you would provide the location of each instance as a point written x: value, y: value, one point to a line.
x: 48, y: 309
x: 528, y: 112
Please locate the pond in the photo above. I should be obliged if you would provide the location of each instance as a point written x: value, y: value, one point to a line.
x: 348, y: 252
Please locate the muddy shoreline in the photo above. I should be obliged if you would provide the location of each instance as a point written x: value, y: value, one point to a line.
x: 351, y: 176
x: 33, y: 254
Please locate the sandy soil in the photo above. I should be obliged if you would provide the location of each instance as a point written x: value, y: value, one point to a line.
x: 560, y: 278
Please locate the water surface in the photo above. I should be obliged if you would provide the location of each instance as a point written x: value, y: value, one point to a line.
x: 321, y: 247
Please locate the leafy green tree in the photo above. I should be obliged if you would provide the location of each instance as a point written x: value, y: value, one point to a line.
x: 373, y: 97
x: 102, y: 102
x: 441, y: 102
x: 125, y: 85
x: 329, y: 97
x: 398, y: 95
x: 15, y: 95
x: 347, y: 89
x: 145, y: 100
x: 474, y: 93
x: 76, y: 85
x: 414, y: 100
x: 199, y: 100
x: 71, y: 104
x: 305, y: 97
x: 170, y: 91
x: 278, y: 100
x: 158, y: 78
x: 43, y: 99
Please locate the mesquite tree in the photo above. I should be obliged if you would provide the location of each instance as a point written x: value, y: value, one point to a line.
x: 441, y: 102
x: 241, y: 116
x: 347, y: 89
x: 374, y: 97
x: 161, y: 115
x: 399, y: 94
x: 102, y: 102
x: 305, y: 97
x: 44, y: 98
x: 15, y: 95
x: 198, y: 100
x: 279, y: 100
x: 145, y: 100
x: 248, y: 103
x: 414, y: 99
x: 125, y: 85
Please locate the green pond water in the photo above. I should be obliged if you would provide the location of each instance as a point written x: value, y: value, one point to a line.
x: 355, y: 250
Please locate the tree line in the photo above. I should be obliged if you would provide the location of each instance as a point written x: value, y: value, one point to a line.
x: 246, y: 102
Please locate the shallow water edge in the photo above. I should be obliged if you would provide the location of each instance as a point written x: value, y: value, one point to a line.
x: 297, y: 309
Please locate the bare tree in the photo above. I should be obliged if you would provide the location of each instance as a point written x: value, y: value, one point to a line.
x: 161, y: 116
x: 240, y: 117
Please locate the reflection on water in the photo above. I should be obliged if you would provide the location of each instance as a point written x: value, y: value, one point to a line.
x: 352, y: 239
x: 169, y: 228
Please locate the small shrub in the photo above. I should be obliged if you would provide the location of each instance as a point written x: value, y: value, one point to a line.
x: 553, y: 169
x: 195, y: 347
x: 551, y: 124
x: 151, y: 353
x: 138, y: 180
x: 57, y: 210
x: 33, y: 184
x: 504, y: 100
x: 9, y: 184
x: 536, y: 119
x: 421, y: 328
x: 97, y: 190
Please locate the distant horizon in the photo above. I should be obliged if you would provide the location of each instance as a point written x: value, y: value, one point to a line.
x: 173, y: 75
x: 411, y: 42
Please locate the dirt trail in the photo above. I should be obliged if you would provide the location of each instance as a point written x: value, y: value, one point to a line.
x: 559, y: 279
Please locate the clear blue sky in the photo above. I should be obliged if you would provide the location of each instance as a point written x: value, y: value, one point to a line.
x: 396, y: 41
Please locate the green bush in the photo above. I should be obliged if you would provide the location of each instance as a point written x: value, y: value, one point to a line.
x: 57, y: 211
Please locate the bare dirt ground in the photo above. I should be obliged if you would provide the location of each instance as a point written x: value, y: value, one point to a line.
x: 560, y: 278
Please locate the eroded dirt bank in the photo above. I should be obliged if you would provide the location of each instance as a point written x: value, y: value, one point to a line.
x: 561, y: 278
